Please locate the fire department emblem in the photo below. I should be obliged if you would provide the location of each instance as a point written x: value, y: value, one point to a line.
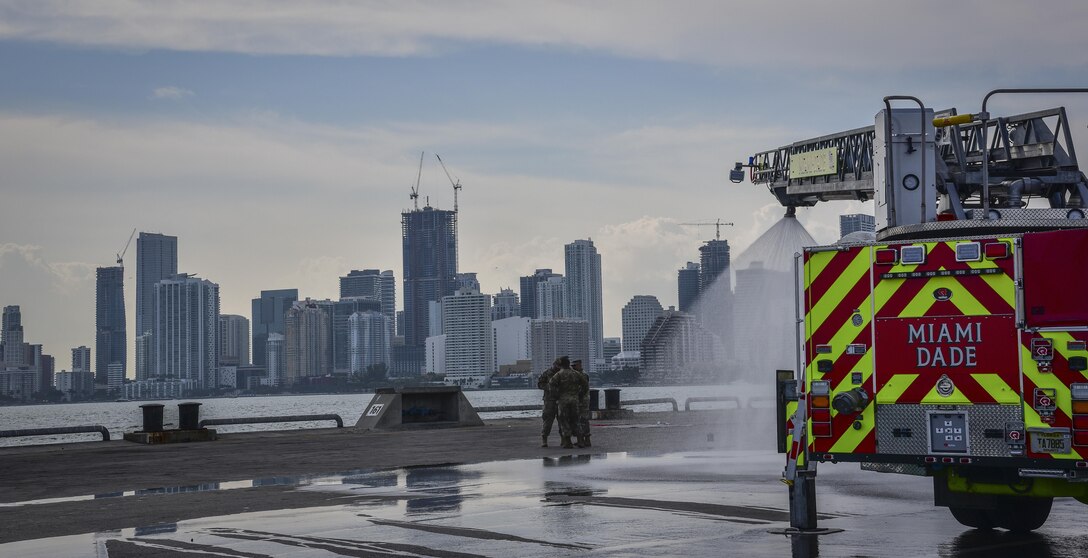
x: 942, y: 294
x: 945, y: 387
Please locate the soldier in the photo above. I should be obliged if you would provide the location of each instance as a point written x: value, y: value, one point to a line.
x: 567, y: 384
x: 583, y: 407
x: 551, y: 402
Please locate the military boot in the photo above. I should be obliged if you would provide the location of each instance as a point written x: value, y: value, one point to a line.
x: 543, y: 441
x: 581, y: 443
x: 566, y: 443
x: 586, y: 442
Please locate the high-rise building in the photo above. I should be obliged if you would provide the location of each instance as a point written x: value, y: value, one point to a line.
x: 370, y: 339
x: 185, y: 336
x: 714, y: 306
x: 111, y: 345
x: 468, y: 280
x: 115, y: 377
x: 233, y: 340
x: 612, y: 347
x: 340, y: 334
x: 268, y: 314
x: 687, y: 287
x: 379, y: 285
x: 275, y: 359
x: 559, y: 337
x: 585, y: 295
x: 12, y: 337
x: 156, y: 259
x: 306, y: 342
x: 81, y: 359
x: 713, y: 263
x: 47, y: 370
x: 528, y: 291
x: 429, y: 242
x: 856, y: 222
x: 435, y: 355
x: 470, y: 350
x: 637, y: 316
x: 551, y: 298
x: 679, y: 350
x: 505, y: 305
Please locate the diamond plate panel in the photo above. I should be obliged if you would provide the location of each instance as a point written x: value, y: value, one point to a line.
x: 899, y: 468
x: 900, y: 418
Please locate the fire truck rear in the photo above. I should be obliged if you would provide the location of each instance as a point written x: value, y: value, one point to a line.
x: 953, y: 344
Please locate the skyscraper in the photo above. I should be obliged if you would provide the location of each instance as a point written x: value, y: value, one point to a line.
x: 552, y: 339
x: 505, y: 305
x: 528, y: 291
x: 429, y: 242
x: 714, y: 306
x: 306, y: 342
x: 275, y: 359
x: 370, y: 340
x: 340, y: 329
x: 687, y: 286
x: 12, y: 334
x: 109, y: 320
x: 637, y: 316
x: 156, y: 259
x: 467, y: 280
x: 856, y: 222
x: 551, y: 298
x: 678, y: 349
x: 233, y: 340
x: 470, y: 350
x: 186, y: 330
x: 714, y: 263
x: 584, y: 295
x: 379, y: 285
x: 268, y: 313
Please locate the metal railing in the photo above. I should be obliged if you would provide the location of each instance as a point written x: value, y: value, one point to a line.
x: 264, y: 420
x: 58, y: 430
x: 508, y: 408
x: 675, y: 406
x: 721, y: 398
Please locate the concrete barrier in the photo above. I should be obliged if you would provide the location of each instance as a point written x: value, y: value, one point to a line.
x: 423, y: 407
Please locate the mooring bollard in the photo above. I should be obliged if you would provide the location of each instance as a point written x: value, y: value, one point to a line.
x: 189, y: 416
x: 612, y: 399
x: 152, y: 417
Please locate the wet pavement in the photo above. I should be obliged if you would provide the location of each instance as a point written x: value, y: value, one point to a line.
x: 699, y: 503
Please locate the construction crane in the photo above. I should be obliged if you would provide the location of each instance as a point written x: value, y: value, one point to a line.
x: 717, y: 224
x: 121, y: 254
x: 415, y: 189
x: 456, y: 185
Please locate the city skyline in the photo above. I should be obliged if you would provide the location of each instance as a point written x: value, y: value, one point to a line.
x: 290, y: 176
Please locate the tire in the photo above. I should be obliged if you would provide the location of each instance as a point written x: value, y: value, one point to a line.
x: 1021, y: 514
x: 973, y: 517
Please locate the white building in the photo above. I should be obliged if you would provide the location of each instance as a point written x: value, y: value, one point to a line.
x: 637, y: 316
x: 625, y: 359
x: 18, y: 383
x: 584, y: 295
x: 186, y: 329
x: 78, y: 383
x: 434, y: 318
x: 436, y: 355
x: 552, y: 339
x: 370, y: 340
x: 115, y: 376
x: 513, y: 340
x: 275, y: 360
x: 551, y: 298
x: 158, y: 388
x: 505, y: 305
x: 470, y: 350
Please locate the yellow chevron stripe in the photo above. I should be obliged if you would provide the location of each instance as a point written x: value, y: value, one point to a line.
x: 854, y: 272
x: 893, y: 390
x: 817, y: 261
x: 848, y: 441
x: 957, y: 398
x: 1045, y: 380
x: 919, y: 305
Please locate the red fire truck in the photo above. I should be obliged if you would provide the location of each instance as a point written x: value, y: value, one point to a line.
x: 953, y: 342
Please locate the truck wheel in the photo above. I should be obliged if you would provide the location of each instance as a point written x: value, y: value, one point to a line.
x: 1022, y: 514
x: 973, y: 517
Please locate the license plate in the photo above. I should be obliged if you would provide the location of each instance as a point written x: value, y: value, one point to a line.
x: 1050, y: 442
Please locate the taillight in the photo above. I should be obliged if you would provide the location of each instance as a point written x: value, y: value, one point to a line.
x: 1079, y: 395
x: 997, y: 250
x: 821, y: 408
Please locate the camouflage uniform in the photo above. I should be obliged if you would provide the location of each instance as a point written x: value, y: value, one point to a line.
x: 568, y: 385
x: 583, y: 411
x: 551, y: 404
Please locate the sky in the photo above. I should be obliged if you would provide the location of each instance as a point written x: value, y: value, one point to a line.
x: 279, y: 140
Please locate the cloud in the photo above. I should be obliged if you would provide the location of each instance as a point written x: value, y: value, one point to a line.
x: 171, y: 93
x: 842, y: 34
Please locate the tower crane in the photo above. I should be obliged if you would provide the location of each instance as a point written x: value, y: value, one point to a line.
x: 415, y: 189
x: 456, y: 185
x: 121, y: 254
x: 716, y: 224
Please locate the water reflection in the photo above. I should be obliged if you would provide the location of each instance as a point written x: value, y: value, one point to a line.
x: 1000, y: 544
x: 567, y: 460
x: 443, y: 482
x: 160, y: 529
x: 805, y: 546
